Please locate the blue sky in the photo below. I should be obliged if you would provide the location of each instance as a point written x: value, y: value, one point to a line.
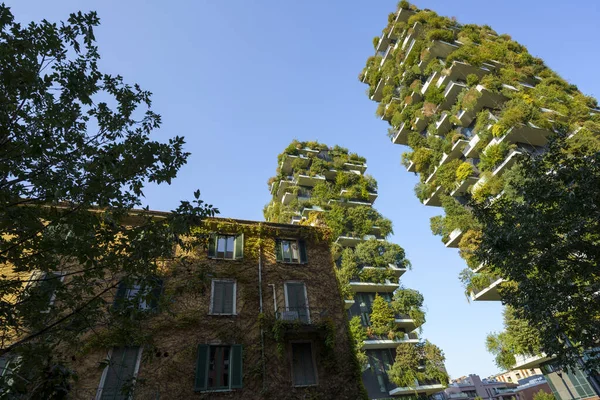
x: 241, y: 79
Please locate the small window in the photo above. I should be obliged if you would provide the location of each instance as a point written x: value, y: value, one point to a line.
x: 303, y: 366
x: 118, y: 378
x: 226, y: 247
x: 218, y: 368
x: 290, y: 251
x: 223, y: 296
x: 147, y: 296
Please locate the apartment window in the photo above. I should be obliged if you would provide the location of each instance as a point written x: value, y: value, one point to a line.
x: 290, y: 251
x: 138, y: 296
x: 42, y: 287
x: 296, y: 302
x: 118, y: 378
x: 303, y: 365
x: 218, y: 367
x: 223, y: 296
x: 226, y: 247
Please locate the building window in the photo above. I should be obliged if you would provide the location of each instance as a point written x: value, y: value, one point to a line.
x: 42, y: 287
x: 226, y: 247
x: 223, y: 296
x: 137, y: 296
x: 118, y: 378
x: 218, y: 368
x: 303, y: 365
x: 296, y: 302
x: 290, y: 251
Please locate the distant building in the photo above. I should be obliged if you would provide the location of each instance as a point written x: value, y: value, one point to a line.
x: 472, y: 386
x: 516, y: 375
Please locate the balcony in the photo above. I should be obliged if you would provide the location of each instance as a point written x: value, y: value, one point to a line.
x: 462, y: 187
x: 460, y: 70
x: 349, y: 203
x: 490, y: 293
x: 307, y: 210
x: 372, y: 195
x: 486, y: 99
x: 370, y: 287
x: 411, y: 167
x: 301, y: 318
x: 526, y: 361
x: 455, y: 152
x: 443, y: 125
x: 374, y: 344
x: 470, y: 150
x: 454, y: 238
x: 420, y: 389
x: 349, y: 240
x: 296, y: 219
x: 450, y: 95
x: 459, y: 395
x: 294, y: 193
x: 378, y: 93
x: 355, y: 167
x: 429, y: 81
x: 435, y: 199
x: 420, y: 123
x: 348, y: 303
x: 401, y: 137
x: 527, y: 134
x: 286, y: 164
x: 405, y: 322
x: 398, y: 272
x: 508, y: 162
x: 283, y: 184
x: 310, y: 181
x: 442, y: 49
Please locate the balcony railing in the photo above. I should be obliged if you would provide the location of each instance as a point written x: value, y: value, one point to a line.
x: 301, y: 315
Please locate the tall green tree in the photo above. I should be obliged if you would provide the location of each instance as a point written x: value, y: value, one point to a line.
x: 544, y: 238
x: 75, y: 154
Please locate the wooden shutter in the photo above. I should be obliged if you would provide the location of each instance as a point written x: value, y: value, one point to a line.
x: 239, y: 247
x: 120, y: 296
x: 278, y: 252
x: 120, y: 372
x: 236, y: 366
x: 228, y: 297
x: 297, y: 300
x: 303, y: 366
x: 302, y: 246
x: 155, y: 294
x: 201, y: 368
x: 217, y: 300
x: 212, y: 245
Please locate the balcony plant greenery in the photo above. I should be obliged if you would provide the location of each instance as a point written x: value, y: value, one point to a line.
x: 423, y: 362
x: 409, y: 302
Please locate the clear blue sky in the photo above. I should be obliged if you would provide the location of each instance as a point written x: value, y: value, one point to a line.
x: 241, y: 79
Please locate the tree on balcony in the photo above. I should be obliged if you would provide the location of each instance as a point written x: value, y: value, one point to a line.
x: 418, y: 364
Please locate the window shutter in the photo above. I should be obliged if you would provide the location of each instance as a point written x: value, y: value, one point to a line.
x: 201, y: 368
x: 278, y: 253
x: 239, y: 247
x: 217, y: 300
x: 228, y: 297
x: 236, y: 366
x: 155, y: 294
x: 212, y: 245
x: 302, y: 246
x: 120, y: 296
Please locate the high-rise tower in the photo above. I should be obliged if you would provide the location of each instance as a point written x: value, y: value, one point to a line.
x: 319, y: 185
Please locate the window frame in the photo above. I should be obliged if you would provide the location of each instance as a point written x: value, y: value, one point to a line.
x: 136, y: 369
x: 238, y: 246
x: 231, y: 367
x: 37, y: 277
x: 301, y: 248
x: 212, y: 296
x: 313, y: 359
x: 285, y: 292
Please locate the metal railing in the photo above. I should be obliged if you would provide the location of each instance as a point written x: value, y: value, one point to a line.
x: 302, y: 315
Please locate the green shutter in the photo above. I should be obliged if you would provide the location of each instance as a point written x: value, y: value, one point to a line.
x: 212, y: 245
x: 120, y: 296
x: 155, y: 294
x: 236, y: 366
x: 278, y: 253
x: 201, y: 368
x: 239, y: 247
x: 302, y: 245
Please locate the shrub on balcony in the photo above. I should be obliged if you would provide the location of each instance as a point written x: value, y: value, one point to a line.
x: 472, y: 79
x: 468, y: 245
x: 446, y: 175
x: 382, y: 317
x: 358, y: 334
x: 475, y: 282
x: 440, y: 34
x: 404, y: 5
x: 434, y: 94
x: 465, y: 170
x: 493, y: 156
x: 422, y: 158
x: 376, y: 42
x: 374, y: 253
x: 409, y: 302
x: 492, y: 186
x: 416, y: 363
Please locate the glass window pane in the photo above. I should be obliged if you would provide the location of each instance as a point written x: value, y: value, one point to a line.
x: 229, y: 247
x: 285, y: 248
x: 221, y: 246
x: 302, y: 361
x: 294, y: 248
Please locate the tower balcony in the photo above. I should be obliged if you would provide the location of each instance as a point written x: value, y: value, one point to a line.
x: 405, y: 322
x: 355, y: 166
x: 373, y: 287
x: 401, y: 137
x: 349, y: 203
x: 435, y: 199
x: 454, y: 238
x: 398, y: 271
x: 450, y: 94
x: 460, y: 70
x: 462, y: 187
x: 385, y: 343
x: 350, y: 240
x: 443, y: 125
x: 526, y: 134
x: 286, y: 164
x: 372, y: 195
x: 486, y: 99
x: 307, y: 210
x: 310, y: 181
x: 490, y: 293
x: 442, y: 49
x: 455, y: 152
x: 528, y: 361
x: 425, y: 390
x: 378, y: 93
x: 385, y: 40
